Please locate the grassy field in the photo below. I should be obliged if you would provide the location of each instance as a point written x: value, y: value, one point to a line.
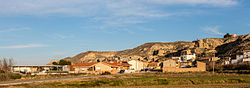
x: 153, y: 80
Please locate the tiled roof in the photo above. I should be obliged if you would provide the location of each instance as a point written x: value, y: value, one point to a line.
x: 152, y: 64
x: 117, y: 64
x: 108, y: 63
x: 246, y: 50
x: 86, y: 64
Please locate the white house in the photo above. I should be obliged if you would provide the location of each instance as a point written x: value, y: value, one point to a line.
x: 137, y: 65
x: 242, y: 58
x: 188, y: 57
x: 35, y: 68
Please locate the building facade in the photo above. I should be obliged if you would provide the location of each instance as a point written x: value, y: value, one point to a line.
x: 137, y: 65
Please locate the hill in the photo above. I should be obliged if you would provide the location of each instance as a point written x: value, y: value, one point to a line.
x: 221, y: 47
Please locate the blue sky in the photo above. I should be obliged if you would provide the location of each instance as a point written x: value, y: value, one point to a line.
x: 37, y: 31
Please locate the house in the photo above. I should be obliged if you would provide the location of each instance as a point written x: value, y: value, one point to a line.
x: 154, y: 65
x: 137, y: 65
x: 234, y: 35
x: 246, y: 55
x: 188, y: 57
x: 121, y: 66
x: 84, y: 67
x: 36, y: 68
x: 171, y: 66
x: 100, y: 67
x: 242, y: 58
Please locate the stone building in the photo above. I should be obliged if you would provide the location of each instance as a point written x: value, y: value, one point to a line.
x: 171, y: 66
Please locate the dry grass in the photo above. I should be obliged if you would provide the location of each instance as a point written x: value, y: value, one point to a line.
x: 152, y: 80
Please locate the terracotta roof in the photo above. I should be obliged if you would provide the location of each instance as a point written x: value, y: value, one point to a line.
x: 153, y: 64
x: 117, y: 64
x: 108, y: 63
x: 246, y: 50
x: 86, y: 64
x: 125, y: 64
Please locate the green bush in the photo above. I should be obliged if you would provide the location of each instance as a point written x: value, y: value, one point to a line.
x: 64, y: 62
x: 1, y: 71
x: 15, y: 76
x: 8, y: 76
x: 55, y: 63
x: 3, y: 77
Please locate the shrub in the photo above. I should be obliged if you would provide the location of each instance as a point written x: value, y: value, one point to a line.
x: 227, y: 35
x: 15, y: 76
x: 106, y: 73
x: 8, y: 76
x: 55, y: 63
x: 3, y: 77
x: 1, y: 71
x: 64, y: 62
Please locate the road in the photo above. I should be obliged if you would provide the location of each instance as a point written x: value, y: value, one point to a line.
x: 8, y: 83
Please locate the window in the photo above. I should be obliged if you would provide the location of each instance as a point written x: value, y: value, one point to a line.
x: 77, y: 69
x: 98, y: 68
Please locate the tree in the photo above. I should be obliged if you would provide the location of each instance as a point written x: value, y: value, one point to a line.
x: 54, y: 63
x: 227, y: 35
x: 6, y: 64
x: 64, y: 62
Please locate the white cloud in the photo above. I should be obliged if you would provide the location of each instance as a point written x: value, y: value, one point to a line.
x: 61, y: 36
x: 15, y: 29
x: 214, y: 30
x: 23, y: 46
x: 95, y: 7
x: 110, y: 14
x: 220, y: 3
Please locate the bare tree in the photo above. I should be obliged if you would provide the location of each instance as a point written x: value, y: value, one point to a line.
x: 1, y: 65
x: 5, y: 68
x: 10, y: 64
x: 6, y: 64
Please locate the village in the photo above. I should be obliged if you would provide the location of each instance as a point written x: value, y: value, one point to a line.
x: 187, y: 62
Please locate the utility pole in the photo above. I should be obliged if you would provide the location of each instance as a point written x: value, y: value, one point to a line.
x: 213, y: 61
x: 213, y: 65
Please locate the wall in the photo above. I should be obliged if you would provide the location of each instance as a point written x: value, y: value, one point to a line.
x: 246, y: 54
x: 136, y: 65
x: 200, y: 67
x: 169, y: 63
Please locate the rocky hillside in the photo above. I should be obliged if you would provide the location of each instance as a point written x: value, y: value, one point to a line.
x: 158, y: 50
x: 234, y: 47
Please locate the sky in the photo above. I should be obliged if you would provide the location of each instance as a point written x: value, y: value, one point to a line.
x: 36, y: 31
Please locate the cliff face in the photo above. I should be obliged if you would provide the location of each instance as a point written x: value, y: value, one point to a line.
x: 151, y: 51
x: 235, y: 47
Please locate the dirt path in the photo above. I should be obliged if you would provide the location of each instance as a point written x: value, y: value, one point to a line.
x: 8, y: 83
